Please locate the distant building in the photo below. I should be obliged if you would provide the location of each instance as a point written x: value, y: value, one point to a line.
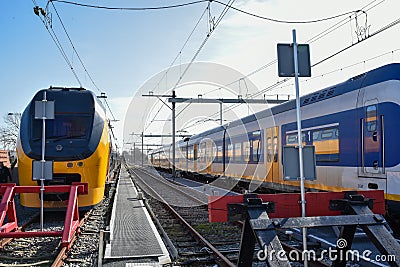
x: 4, y: 157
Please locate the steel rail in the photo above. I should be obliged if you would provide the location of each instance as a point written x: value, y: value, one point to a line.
x: 219, y: 257
x: 62, y: 254
x: 199, y: 201
x: 5, y: 241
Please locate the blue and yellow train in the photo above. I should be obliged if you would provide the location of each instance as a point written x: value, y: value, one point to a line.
x: 353, y: 125
x: 77, y: 140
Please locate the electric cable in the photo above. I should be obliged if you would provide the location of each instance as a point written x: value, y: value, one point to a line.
x: 130, y: 8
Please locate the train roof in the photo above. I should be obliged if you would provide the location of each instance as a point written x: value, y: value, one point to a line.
x: 83, y: 100
x: 378, y: 75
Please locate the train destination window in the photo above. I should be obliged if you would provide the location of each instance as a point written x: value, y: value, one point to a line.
x: 371, y: 118
x: 291, y: 139
x: 327, y: 134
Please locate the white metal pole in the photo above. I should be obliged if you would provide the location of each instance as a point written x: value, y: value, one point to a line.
x: 300, y: 143
x: 43, y: 160
x: 173, y: 137
x: 142, y: 147
x: 220, y: 113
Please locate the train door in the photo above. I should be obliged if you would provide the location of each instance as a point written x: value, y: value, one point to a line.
x: 372, y: 141
x: 195, y: 157
x: 272, y: 146
x: 210, y: 147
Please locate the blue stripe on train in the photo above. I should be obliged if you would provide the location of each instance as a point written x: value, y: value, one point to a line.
x: 349, y: 134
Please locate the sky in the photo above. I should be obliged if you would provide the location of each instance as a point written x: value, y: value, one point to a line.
x: 126, y: 53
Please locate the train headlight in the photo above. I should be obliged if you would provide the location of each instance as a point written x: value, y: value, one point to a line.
x: 80, y: 164
x: 70, y: 165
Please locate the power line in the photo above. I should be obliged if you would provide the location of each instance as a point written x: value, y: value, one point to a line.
x: 390, y: 25
x: 80, y: 59
x: 130, y: 8
x: 173, y: 62
x: 397, y: 21
x: 313, y: 39
x: 343, y: 68
x: 184, y: 45
x: 223, y: 13
x: 62, y: 51
x: 286, y: 21
x: 55, y: 40
x: 105, y: 101
x: 73, y: 47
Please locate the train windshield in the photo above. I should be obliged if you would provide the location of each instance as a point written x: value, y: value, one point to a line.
x: 63, y: 127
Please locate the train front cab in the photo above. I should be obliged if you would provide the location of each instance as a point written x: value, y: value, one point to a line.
x: 92, y: 170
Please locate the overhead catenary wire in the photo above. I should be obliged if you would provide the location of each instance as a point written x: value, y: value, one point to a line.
x: 57, y: 42
x: 80, y: 60
x: 64, y: 55
x: 342, y: 68
x: 275, y: 86
x: 390, y: 25
x: 327, y: 58
x: 286, y: 21
x: 129, y: 8
x: 227, y: 6
x: 173, y: 62
x: 394, y: 23
x: 311, y: 40
x: 280, y: 21
x: 73, y: 47
x: 223, y: 13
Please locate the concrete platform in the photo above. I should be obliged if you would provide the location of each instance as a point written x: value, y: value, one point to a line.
x: 132, y: 232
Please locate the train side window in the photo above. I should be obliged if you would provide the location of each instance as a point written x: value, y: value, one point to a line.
x: 326, y: 142
x: 230, y: 153
x: 219, y: 154
x: 238, y: 152
x: 210, y: 153
x: 190, y: 153
x: 246, y: 151
x: 202, y: 154
x: 275, y: 148
x: 371, y: 118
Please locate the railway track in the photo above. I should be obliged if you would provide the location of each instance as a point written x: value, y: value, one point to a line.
x: 160, y: 189
x: 181, y: 211
x: 37, y: 251
x: 293, y: 244
x: 46, y: 251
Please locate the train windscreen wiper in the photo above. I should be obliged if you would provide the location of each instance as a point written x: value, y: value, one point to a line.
x: 48, y: 137
x: 58, y: 138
